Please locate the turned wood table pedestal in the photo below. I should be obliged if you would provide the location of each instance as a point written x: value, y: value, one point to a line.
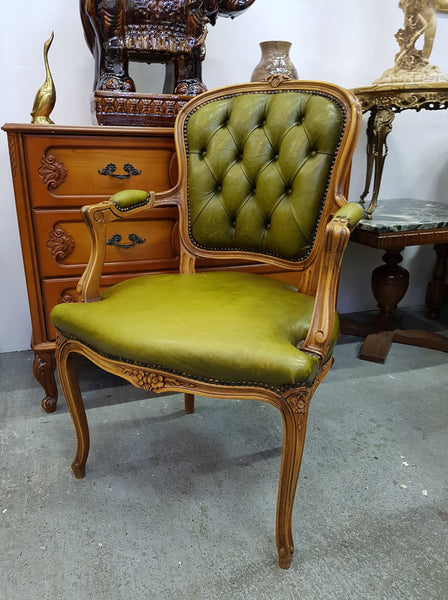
x: 383, y: 102
x: 394, y: 225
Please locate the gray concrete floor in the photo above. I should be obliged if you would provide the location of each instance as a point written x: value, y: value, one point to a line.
x: 181, y: 506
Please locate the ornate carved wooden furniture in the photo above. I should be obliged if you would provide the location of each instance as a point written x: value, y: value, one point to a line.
x: 55, y: 171
x: 58, y: 169
x: 399, y: 223
x: 384, y: 102
x: 171, y: 32
x: 396, y: 224
x: 263, y: 173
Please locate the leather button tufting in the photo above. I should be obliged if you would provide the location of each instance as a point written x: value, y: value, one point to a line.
x: 313, y: 152
x: 203, y: 153
x: 219, y: 188
x: 234, y: 224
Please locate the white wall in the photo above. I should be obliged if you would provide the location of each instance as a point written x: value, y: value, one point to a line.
x: 348, y: 42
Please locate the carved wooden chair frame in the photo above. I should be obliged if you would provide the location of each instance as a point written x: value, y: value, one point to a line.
x: 317, y: 275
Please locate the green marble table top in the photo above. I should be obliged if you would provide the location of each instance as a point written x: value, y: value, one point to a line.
x: 406, y: 214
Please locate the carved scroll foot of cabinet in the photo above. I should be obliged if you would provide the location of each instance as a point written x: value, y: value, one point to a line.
x: 43, y: 367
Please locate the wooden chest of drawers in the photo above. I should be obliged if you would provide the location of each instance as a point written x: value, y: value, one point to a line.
x: 55, y: 171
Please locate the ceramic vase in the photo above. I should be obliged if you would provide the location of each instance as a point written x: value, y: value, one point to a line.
x: 274, y: 61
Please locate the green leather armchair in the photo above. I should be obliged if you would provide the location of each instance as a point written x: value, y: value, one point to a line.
x: 263, y: 177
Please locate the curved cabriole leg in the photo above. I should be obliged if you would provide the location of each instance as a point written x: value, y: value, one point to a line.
x: 370, y: 157
x: 70, y: 387
x: 382, y: 126
x: 294, y: 413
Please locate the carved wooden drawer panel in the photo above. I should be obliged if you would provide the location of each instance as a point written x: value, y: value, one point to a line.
x: 132, y: 245
x: 77, y: 170
x: 55, y: 171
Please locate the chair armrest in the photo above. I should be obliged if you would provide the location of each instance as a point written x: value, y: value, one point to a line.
x: 318, y: 339
x: 352, y: 211
x: 127, y: 200
x: 96, y: 216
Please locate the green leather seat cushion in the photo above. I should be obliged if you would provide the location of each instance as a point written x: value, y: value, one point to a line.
x: 227, y: 327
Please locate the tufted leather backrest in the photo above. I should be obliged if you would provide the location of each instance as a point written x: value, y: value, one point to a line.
x: 259, y: 164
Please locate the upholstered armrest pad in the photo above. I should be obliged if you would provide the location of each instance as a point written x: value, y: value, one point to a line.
x: 130, y: 199
x: 352, y: 211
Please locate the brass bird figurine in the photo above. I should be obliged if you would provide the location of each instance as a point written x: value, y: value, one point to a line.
x: 46, y: 96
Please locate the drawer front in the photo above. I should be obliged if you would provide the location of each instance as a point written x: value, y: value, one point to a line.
x: 143, y: 244
x: 73, y: 171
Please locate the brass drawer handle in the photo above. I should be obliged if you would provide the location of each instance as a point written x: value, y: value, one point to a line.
x: 133, y: 238
x: 110, y: 169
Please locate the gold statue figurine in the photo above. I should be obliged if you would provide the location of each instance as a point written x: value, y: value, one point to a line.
x: 46, y: 96
x: 412, y: 64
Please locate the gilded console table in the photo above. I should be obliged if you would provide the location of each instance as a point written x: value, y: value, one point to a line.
x: 384, y: 102
x: 396, y: 224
